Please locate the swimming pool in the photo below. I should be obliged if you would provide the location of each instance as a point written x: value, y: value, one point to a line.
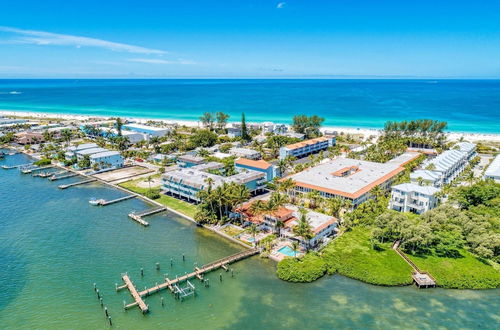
x: 286, y: 250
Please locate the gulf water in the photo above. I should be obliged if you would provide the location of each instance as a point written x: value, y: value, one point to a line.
x: 467, y: 105
x: 54, y: 245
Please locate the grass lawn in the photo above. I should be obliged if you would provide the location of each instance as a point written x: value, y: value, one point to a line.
x: 352, y: 255
x: 232, y: 231
x: 460, y: 273
x: 171, y: 202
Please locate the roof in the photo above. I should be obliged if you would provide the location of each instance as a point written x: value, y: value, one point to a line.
x: 191, y: 158
x: 411, y: 187
x: 317, y: 221
x: 145, y: 127
x: 281, y: 212
x: 367, y: 176
x: 262, y: 164
x: 494, y: 169
x: 105, y: 154
x: 90, y: 151
x: 243, y: 151
x: 465, y: 146
x: 308, y: 142
x: 83, y: 146
x: 405, y: 158
x: 425, y: 175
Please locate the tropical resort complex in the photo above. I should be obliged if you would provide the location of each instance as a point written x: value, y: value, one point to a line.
x: 374, y: 208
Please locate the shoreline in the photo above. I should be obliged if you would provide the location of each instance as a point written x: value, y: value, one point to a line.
x: 453, y: 136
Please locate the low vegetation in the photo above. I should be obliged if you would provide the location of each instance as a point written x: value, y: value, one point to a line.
x: 353, y: 255
x: 306, y: 269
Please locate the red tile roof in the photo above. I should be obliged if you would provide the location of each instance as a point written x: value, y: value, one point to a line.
x: 262, y: 164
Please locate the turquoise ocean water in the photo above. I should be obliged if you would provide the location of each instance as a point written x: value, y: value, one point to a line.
x: 467, y: 105
x: 54, y: 245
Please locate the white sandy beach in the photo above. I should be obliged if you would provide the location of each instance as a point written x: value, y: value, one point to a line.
x: 453, y: 136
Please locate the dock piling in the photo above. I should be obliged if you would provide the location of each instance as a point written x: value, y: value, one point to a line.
x: 220, y: 277
x: 232, y: 273
x: 142, y: 272
x: 109, y: 319
x: 100, y: 300
x: 171, y: 262
x: 183, y: 257
x: 158, y: 266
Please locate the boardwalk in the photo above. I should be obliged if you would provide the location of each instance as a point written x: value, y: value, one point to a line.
x: 104, y: 203
x: 70, y: 175
x: 170, y: 284
x: 422, y: 279
x: 65, y: 186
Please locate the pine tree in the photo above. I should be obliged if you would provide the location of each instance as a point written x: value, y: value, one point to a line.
x: 244, y: 132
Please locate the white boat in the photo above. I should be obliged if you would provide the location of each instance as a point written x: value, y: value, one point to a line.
x: 96, y: 202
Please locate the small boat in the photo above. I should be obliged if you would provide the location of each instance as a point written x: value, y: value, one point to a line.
x: 96, y: 202
x: 15, y: 93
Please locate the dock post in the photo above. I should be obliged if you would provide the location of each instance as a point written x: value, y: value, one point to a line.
x: 116, y: 287
x: 109, y: 319
x: 142, y: 272
x: 207, y: 283
x: 220, y: 277
x: 106, y: 311
x: 157, y: 266
x: 162, y: 301
x: 171, y: 262
x: 95, y: 287
x: 124, y: 304
x: 98, y: 295
x: 100, y: 300
x: 183, y: 257
x: 232, y: 273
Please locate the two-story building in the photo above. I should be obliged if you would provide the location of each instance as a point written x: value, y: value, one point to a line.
x: 106, y: 159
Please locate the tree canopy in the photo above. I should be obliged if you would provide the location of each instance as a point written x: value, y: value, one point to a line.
x: 308, y: 125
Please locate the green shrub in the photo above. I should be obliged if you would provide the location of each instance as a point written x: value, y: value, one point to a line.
x: 306, y: 269
x: 153, y: 194
x: 43, y: 162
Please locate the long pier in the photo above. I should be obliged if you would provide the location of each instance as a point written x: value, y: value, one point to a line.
x: 70, y: 175
x: 65, y: 186
x: 104, y: 203
x: 5, y: 167
x: 42, y: 168
x: 170, y: 284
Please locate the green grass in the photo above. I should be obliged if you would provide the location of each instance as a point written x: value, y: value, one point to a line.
x: 231, y: 231
x: 171, y: 202
x: 352, y: 255
x: 459, y: 273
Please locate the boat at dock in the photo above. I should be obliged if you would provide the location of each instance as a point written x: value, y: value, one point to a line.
x: 96, y: 202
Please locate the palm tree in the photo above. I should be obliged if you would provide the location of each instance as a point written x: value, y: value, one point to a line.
x: 278, y: 226
x: 282, y: 166
x: 303, y: 228
x: 66, y: 134
x: 313, y: 196
x: 258, y: 207
x: 149, y: 179
x: 334, y: 206
x: 253, y: 231
x: 119, y: 125
x: 295, y: 248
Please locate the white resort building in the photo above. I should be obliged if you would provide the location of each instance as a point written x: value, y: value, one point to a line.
x: 346, y: 178
x: 307, y: 147
x: 445, y: 167
x: 187, y: 182
x: 410, y: 197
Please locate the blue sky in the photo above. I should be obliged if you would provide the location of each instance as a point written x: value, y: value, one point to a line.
x: 266, y: 38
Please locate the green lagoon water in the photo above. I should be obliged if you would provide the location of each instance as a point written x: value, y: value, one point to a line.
x: 54, y: 245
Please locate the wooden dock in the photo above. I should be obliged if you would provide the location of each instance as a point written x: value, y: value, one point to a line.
x: 5, y: 167
x: 137, y: 297
x: 138, y: 217
x: 65, y: 186
x: 41, y: 168
x: 104, y: 203
x: 171, y: 284
x: 70, y: 175
x: 422, y: 279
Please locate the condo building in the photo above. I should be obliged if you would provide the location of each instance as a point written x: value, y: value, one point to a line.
x: 347, y: 178
x: 187, y: 182
x: 410, y: 197
x: 307, y: 147
x: 446, y: 167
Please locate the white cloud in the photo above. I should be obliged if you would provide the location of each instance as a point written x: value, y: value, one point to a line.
x: 48, y: 38
x: 160, y: 61
x: 281, y: 5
